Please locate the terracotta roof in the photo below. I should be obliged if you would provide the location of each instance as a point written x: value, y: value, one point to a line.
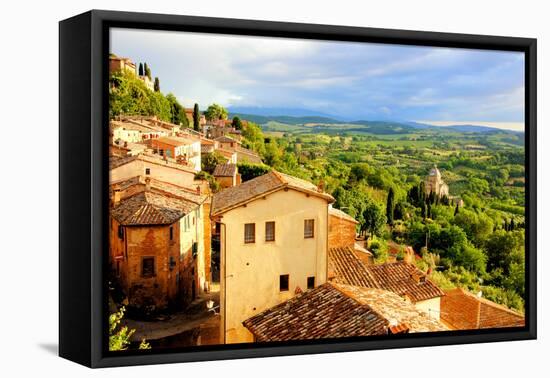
x: 246, y: 155
x: 260, y: 186
x: 323, y: 312
x: 226, y: 139
x: 346, y: 268
x: 225, y: 170
x: 341, y: 215
x: 397, y: 310
x: 151, y: 208
x: 461, y: 309
x: 115, y: 162
x: 406, y: 280
x: 174, y: 141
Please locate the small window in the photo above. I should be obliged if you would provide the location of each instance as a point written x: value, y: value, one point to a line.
x: 269, y: 231
x: 147, y: 171
x: 148, y: 267
x: 171, y: 233
x: 250, y: 233
x: 309, y: 225
x: 283, y: 282
x: 161, y: 152
x: 121, y: 232
x: 310, y: 282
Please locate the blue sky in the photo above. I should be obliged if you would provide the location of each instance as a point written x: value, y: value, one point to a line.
x: 349, y: 80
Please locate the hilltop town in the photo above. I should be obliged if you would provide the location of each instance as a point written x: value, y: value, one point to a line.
x: 220, y: 234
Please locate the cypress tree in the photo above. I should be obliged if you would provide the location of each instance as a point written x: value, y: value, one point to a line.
x: 147, y: 70
x: 456, y: 209
x: 196, y: 118
x: 157, y: 85
x: 140, y: 70
x: 390, y: 206
x: 512, y: 225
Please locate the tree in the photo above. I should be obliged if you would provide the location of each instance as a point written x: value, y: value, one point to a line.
x: 210, y: 160
x: 390, y: 206
x: 196, y: 118
x: 177, y: 112
x: 215, y: 112
x: 147, y: 71
x: 374, y: 218
x: 157, y: 85
x: 456, y: 209
x: 237, y: 123
x: 140, y: 70
x: 119, y: 336
x: 505, y: 248
x: 249, y: 171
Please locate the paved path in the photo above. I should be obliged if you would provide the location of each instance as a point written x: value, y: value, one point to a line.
x: 195, y: 315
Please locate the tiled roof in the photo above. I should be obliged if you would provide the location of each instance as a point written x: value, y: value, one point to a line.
x: 151, y: 208
x: 395, y: 309
x: 463, y: 310
x: 323, y: 312
x: 174, y: 141
x: 246, y: 155
x: 115, y: 162
x: 347, y: 268
x: 160, y: 203
x: 225, y: 170
x: 226, y: 139
x: 406, y: 280
x: 250, y: 190
x: 341, y: 215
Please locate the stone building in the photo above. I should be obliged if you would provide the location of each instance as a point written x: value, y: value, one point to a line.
x: 434, y: 183
x: 185, y: 150
x: 157, y: 250
x: 273, y: 245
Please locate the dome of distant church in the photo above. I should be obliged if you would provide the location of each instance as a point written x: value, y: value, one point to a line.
x: 435, y: 172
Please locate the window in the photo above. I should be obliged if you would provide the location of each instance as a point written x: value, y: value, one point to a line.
x: 148, y: 267
x: 283, y: 282
x: 310, y: 282
x: 161, y: 152
x: 269, y: 231
x: 171, y: 233
x: 121, y: 232
x: 309, y: 225
x: 147, y: 171
x: 250, y: 233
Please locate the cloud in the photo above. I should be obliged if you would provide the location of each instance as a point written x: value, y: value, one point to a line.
x: 351, y: 80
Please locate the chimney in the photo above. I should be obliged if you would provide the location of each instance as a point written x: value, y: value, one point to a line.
x: 147, y: 183
x: 198, y: 189
x: 116, y: 197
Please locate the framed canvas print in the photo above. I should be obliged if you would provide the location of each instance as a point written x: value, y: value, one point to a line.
x: 234, y: 188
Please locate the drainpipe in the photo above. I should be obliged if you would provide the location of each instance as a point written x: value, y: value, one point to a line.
x: 223, y: 247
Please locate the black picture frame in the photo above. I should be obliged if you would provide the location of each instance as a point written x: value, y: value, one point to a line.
x: 83, y: 182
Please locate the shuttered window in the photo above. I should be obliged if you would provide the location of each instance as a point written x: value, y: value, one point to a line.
x: 250, y: 233
x: 309, y: 225
x: 269, y: 231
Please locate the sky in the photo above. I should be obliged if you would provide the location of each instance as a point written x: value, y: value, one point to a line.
x: 351, y: 81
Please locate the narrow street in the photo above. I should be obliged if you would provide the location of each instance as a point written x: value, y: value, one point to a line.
x: 196, y: 325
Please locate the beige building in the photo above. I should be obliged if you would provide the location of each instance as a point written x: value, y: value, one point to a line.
x: 122, y: 168
x: 434, y: 183
x: 273, y: 241
x: 120, y: 64
x: 185, y: 150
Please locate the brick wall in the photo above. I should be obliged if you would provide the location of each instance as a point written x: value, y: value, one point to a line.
x: 341, y: 232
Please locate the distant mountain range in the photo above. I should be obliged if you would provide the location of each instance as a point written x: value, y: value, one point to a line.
x: 303, y: 116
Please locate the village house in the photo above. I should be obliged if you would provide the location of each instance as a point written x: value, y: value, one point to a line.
x: 148, y: 82
x: 186, y: 151
x: 334, y: 311
x: 273, y: 245
x: 122, y: 168
x: 120, y: 148
x: 461, y: 309
x: 157, y: 251
x: 135, y: 132
x: 119, y: 64
x: 401, y: 278
x: 227, y: 175
x: 227, y: 142
x: 342, y: 232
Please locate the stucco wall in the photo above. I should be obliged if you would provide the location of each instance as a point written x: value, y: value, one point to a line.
x: 252, y: 271
x: 341, y: 232
x: 162, y: 173
x: 431, y: 306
